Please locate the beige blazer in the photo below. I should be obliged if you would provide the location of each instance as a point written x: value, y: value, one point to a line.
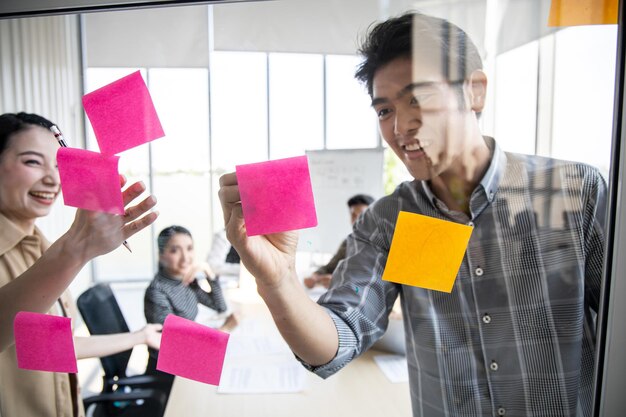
x: 32, y: 393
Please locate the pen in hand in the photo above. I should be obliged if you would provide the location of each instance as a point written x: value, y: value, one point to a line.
x: 59, y: 136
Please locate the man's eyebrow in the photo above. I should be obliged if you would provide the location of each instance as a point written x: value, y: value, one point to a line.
x: 406, y: 89
x: 413, y: 86
x: 378, y: 100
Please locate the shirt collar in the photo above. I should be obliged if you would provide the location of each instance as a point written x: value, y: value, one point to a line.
x: 491, y: 180
x: 493, y: 176
x: 13, y: 235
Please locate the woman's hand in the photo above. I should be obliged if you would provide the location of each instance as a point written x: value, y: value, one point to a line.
x: 95, y: 233
x: 201, y: 269
x: 231, y: 322
x: 152, y: 335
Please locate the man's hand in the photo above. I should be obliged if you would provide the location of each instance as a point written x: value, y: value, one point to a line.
x: 318, y: 279
x: 269, y: 258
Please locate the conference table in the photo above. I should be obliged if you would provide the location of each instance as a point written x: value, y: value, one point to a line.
x: 360, y: 389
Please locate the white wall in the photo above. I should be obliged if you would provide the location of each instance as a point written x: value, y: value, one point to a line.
x: 155, y: 38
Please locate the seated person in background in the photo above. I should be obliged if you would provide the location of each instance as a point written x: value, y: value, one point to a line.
x: 223, y: 258
x: 180, y: 285
x: 357, y: 205
x: 34, y: 275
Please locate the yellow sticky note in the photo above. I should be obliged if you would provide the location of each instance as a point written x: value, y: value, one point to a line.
x: 583, y: 12
x: 426, y: 252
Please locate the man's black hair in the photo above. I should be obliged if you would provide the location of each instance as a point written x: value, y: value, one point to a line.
x: 360, y: 199
x: 394, y: 37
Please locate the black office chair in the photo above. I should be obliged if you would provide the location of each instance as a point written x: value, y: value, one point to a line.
x: 122, y: 395
x: 137, y: 403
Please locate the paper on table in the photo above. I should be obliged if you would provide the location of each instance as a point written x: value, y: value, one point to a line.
x: 426, y: 252
x: 90, y: 180
x: 258, y: 360
x: 276, y: 196
x: 209, y: 317
x: 242, y: 344
x: 122, y: 114
x: 274, y: 374
x: 192, y: 350
x: 44, y: 343
x: 394, y: 367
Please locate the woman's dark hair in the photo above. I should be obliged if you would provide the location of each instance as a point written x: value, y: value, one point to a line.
x: 12, y: 123
x: 165, y: 236
x: 167, y: 233
x: 394, y: 38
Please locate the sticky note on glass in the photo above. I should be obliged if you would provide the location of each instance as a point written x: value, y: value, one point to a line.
x: 426, y: 252
x: 44, y: 343
x: 583, y: 12
x: 276, y: 196
x: 191, y: 350
x: 90, y: 180
x: 122, y: 115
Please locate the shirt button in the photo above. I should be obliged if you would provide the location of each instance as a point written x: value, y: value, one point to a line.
x: 494, y: 366
x: 501, y: 411
x: 486, y: 319
x: 479, y: 271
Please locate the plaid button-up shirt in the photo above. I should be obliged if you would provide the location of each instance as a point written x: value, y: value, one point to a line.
x: 516, y: 335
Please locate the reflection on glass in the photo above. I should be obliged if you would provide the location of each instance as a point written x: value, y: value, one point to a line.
x: 296, y: 113
x: 350, y: 122
x: 583, y: 97
x: 238, y: 109
x: 181, y: 97
x: 180, y: 160
x: 515, y: 104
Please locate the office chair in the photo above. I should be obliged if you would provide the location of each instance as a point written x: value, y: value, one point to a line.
x: 137, y: 403
x: 122, y: 395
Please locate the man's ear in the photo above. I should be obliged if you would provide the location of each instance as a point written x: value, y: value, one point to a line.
x: 478, y: 90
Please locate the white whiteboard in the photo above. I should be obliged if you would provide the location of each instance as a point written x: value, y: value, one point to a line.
x: 337, y: 175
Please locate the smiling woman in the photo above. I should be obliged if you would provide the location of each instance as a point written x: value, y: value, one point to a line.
x: 29, y: 177
x: 180, y: 286
x: 34, y: 275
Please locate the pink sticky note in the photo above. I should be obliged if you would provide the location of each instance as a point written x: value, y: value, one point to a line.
x: 122, y: 114
x: 191, y: 350
x: 44, y: 343
x: 90, y: 180
x: 276, y: 196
